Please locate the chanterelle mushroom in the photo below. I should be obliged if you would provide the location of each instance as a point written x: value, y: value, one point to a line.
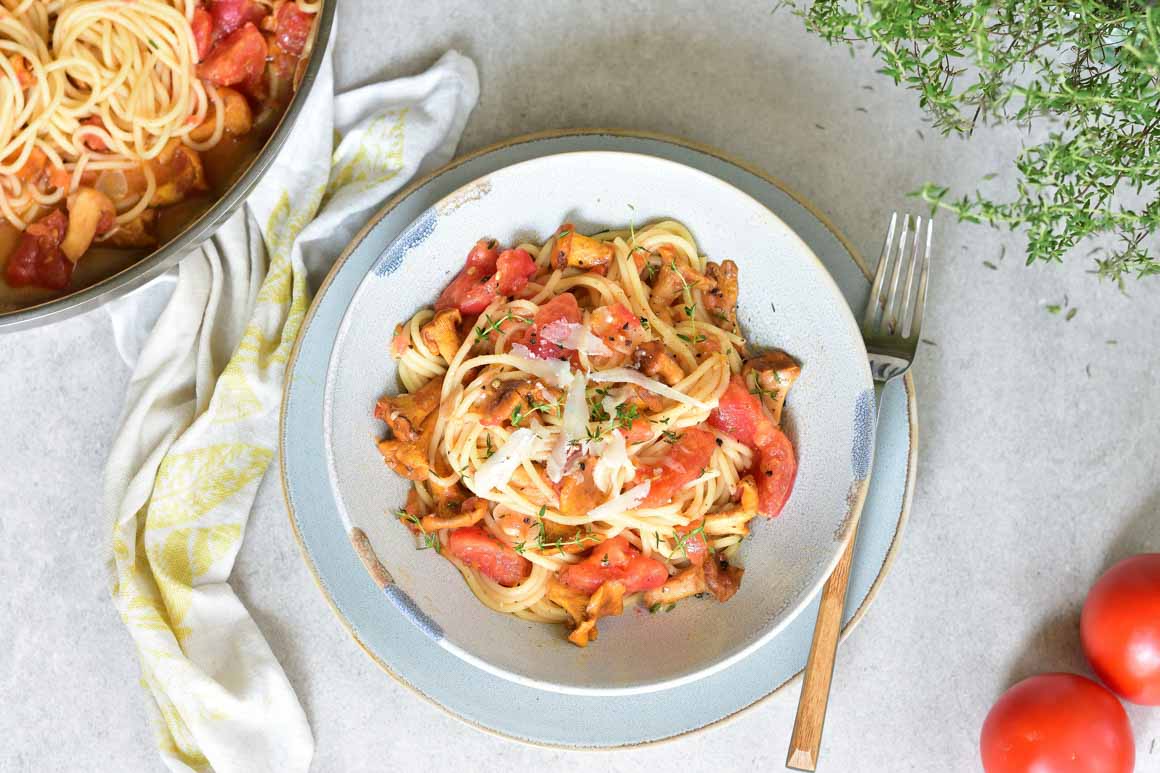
x: 722, y: 578
x: 735, y: 518
x: 654, y: 360
x: 579, y: 251
x: 674, y: 277
x: 442, y: 333
x: 721, y: 299
x: 406, y: 412
x: 90, y: 213
x: 688, y: 582
x: 771, y: 375
x: 607, y: 600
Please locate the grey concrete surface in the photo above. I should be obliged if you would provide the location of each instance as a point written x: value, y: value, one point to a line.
x: 1038, y: 461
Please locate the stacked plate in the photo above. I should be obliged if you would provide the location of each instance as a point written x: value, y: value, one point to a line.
x: 408, y: 613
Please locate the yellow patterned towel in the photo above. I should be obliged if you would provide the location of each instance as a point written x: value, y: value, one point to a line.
x: 200, y: 422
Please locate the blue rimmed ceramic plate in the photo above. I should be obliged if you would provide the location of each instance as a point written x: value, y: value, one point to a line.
x: 406, y: 650
x: 787, y: 300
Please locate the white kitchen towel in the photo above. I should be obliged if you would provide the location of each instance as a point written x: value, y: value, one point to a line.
x: 200, y: 422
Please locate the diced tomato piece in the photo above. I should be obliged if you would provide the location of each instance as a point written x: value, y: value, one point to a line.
x: 91, y: 140
x: 202, y: 31
x: 33, y: 165
x: 740, y: 415
x: 541, y: 348
x: 59, y: 177
x: 615, y: 559
x: 473, y: 296
x: 239, y: 58
x: 513, y: 269
x: 292, y: 28
x: 639, y: 431
x: 470, y: 291
x: 401, y: 341
x: 231, y: 15
x: 37, y: 260
x: 563, y: 307
x: 684, y: 462
x: 479, y: 550
x: 488, y: 273
x: 617, y: 327
x: 484, y: 255
x: 775, y: 471
x: 693, y: 542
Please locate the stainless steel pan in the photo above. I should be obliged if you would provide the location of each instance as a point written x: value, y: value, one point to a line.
x: 168, y: 254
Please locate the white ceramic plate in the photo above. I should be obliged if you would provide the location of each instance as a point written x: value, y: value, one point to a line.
x: 477, y: 697
x: 787, y: 300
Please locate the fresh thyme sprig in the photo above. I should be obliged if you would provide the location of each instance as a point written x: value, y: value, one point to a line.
x: 557, y: 544
x: 682, y: 543
x: 430, y: 540
x: 686, y: 289
x: 1087, y: 69
x: 484, y: 331
x: 626, y: 413
x: 519, y: 412
x: 596, y: 410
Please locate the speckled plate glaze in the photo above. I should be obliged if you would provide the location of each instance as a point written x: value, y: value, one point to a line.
x: 388, y: 632
x: 787, y: 300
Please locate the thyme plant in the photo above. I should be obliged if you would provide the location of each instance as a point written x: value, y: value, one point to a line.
x: 1088, y: 71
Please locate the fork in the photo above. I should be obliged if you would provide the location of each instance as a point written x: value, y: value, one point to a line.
x: 891, y: 328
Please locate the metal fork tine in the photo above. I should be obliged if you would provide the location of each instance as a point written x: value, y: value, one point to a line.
x: 890, y: 308
x: 874, y: 304
x: 906, y: 305
x: 920, y: 300
x: 893, y: 319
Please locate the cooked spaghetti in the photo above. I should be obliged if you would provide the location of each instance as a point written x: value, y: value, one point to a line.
x: 106, y: 106
x: 583, y: 421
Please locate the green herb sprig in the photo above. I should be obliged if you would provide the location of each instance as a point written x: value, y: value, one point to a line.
x: 682, y: 543
x: 1087, y: 70
x: 430, y: 540
x: 484, y: 331
x: 626, y: 413
x: 520, y: 412
x: 557, y: 544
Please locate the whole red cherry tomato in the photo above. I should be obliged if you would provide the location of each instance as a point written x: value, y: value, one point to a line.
x: 1120, y: 628
x: 1057, y: 723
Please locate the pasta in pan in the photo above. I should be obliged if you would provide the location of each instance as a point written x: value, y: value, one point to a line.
x: 106, y: 107
x: 583, y: 422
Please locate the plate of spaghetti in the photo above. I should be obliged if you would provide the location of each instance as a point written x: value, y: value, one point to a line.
x: 638, y: 409
x: 122, y: 122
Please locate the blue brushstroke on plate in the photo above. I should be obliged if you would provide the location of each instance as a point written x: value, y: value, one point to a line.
x: 863, y: 450
x: 414, y: 235
x: 411, y: 611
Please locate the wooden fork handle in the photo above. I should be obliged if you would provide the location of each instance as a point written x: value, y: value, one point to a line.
x: 811, y: 714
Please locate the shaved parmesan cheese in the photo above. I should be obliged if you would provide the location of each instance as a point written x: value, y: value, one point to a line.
x: 498, y: 469
x: 611, y: 401
x: 629, y: 376
x: 574, y: 428
x: 572, y: 335
x: 558, y: 373
x: 611, y: 458
x: 617, y: 505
